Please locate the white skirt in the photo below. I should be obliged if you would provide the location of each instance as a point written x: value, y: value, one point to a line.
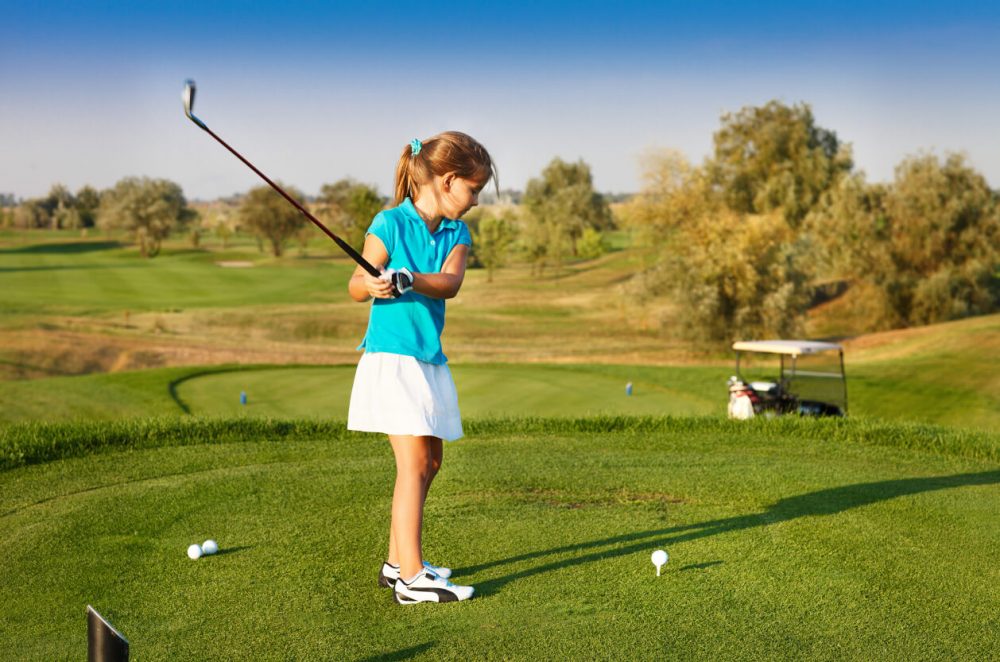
x: 396, y: 394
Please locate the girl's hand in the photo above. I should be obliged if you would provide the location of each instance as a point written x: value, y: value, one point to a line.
x: 378, y: 288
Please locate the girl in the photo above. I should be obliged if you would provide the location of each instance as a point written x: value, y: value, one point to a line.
x: 403, y: 386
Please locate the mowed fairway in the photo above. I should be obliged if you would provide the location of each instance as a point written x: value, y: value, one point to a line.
x: 798, y: 540
x: 94, y: 277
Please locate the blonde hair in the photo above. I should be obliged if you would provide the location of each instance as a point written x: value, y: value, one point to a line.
x: 451, y: 151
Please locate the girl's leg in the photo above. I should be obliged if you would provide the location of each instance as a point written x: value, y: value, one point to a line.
x: 436, y: 454
x: 413, y: 463
x: 436, y: 447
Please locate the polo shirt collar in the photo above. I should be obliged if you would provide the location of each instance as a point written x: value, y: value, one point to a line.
x: 414, y: 215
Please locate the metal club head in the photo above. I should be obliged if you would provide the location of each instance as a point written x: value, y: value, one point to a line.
x: 188, y: 97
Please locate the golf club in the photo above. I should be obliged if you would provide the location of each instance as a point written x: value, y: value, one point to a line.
x: 188, y: 97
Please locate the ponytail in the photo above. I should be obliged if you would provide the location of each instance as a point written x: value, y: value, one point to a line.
x: 451, y: 151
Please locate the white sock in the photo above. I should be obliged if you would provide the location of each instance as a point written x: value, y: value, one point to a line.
x: 410, y: 580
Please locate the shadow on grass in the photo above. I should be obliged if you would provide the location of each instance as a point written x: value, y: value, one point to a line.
x: 402, y: 654
x: 65, y: 248
x: 232, y: 550
x: 69, y: 267
x: 20, y: 368
x: 812, y: 504
x: 701, y: 566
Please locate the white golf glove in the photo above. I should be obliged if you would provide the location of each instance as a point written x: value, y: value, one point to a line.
x: 401, y: 279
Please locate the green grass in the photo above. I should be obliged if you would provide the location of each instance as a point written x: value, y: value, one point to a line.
x: 947, y: 369
x: 91, y: 397
x: 323, y: 392
x: 788, y: 539
x: 100, y: 276
x: 919, y: 390
x: 871, y: 537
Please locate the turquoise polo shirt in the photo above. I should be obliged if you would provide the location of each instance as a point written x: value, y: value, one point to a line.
x: 411, y: 324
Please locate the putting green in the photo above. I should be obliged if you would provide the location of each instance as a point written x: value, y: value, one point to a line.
x: 507, y: 390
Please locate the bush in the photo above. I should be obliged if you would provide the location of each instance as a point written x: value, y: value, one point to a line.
x: 591, y: 244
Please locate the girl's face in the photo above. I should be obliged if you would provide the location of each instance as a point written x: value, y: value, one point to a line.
x: 460, y: 195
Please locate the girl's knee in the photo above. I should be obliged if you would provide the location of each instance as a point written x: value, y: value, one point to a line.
x: 417, y: 461
x: 416, y: 472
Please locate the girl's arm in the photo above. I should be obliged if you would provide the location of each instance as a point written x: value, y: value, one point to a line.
x: 363, y: 285
x: 446, y: 283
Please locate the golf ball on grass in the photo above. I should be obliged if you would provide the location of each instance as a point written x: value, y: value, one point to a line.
x: 209, y: 547
x: 194, y: 552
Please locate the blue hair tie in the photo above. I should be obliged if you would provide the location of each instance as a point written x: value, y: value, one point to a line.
x: 415, y: 146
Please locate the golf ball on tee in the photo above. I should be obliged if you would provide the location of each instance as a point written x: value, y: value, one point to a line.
x: 209, y: 547
x: 194, y: 552
x: 659, y: 557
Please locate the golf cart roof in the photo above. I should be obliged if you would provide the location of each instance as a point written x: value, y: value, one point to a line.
x: 790, y: 347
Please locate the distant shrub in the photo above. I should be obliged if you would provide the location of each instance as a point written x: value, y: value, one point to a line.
x: 591, y: 245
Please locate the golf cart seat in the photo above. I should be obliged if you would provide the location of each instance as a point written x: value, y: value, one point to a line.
x: 770, y: 388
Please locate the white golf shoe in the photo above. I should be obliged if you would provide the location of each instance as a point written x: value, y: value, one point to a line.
x: 389, y: 573
x: 428, y: 587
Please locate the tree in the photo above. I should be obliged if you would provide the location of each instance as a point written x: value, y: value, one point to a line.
x: 349, y: 207
x: 674, y: 195
x: 269, y: 216
x: 62, y: 208
x: 221, y: 219
x: 31, y: 214
x: 735, y: 274
x: 559, y: 206
x: 88, y: 200
x: 775, y: 157
x: 7, y: 205
x: 492, y: 242
x: 148, y: 209
x: 591, y: 244
x: 738, y: 276
x: 927, y: 246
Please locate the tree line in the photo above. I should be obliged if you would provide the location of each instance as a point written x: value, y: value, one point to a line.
x: 149, y: 210
x: 778, y: 218
x: 774, y: 220
x: 560, y: 216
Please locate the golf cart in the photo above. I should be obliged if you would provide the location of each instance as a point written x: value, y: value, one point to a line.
x: 777, y: 377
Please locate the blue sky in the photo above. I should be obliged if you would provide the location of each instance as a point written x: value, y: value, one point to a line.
x: 313, y: 92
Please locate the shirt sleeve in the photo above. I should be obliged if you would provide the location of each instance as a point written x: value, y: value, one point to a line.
x: 382, y: 228
x: 463, y: 235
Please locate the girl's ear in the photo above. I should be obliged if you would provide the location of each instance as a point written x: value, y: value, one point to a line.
x: 448, y: 181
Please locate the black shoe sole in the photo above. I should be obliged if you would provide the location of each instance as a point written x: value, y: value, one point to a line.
x: 443, y: 596
x: 385, y: 582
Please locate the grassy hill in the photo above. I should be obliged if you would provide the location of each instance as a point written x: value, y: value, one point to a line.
x: 927, y: 389
x: 562, y: 345
x: 84, y: 305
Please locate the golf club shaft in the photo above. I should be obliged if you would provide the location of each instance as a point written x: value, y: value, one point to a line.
x: 365, y: 264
